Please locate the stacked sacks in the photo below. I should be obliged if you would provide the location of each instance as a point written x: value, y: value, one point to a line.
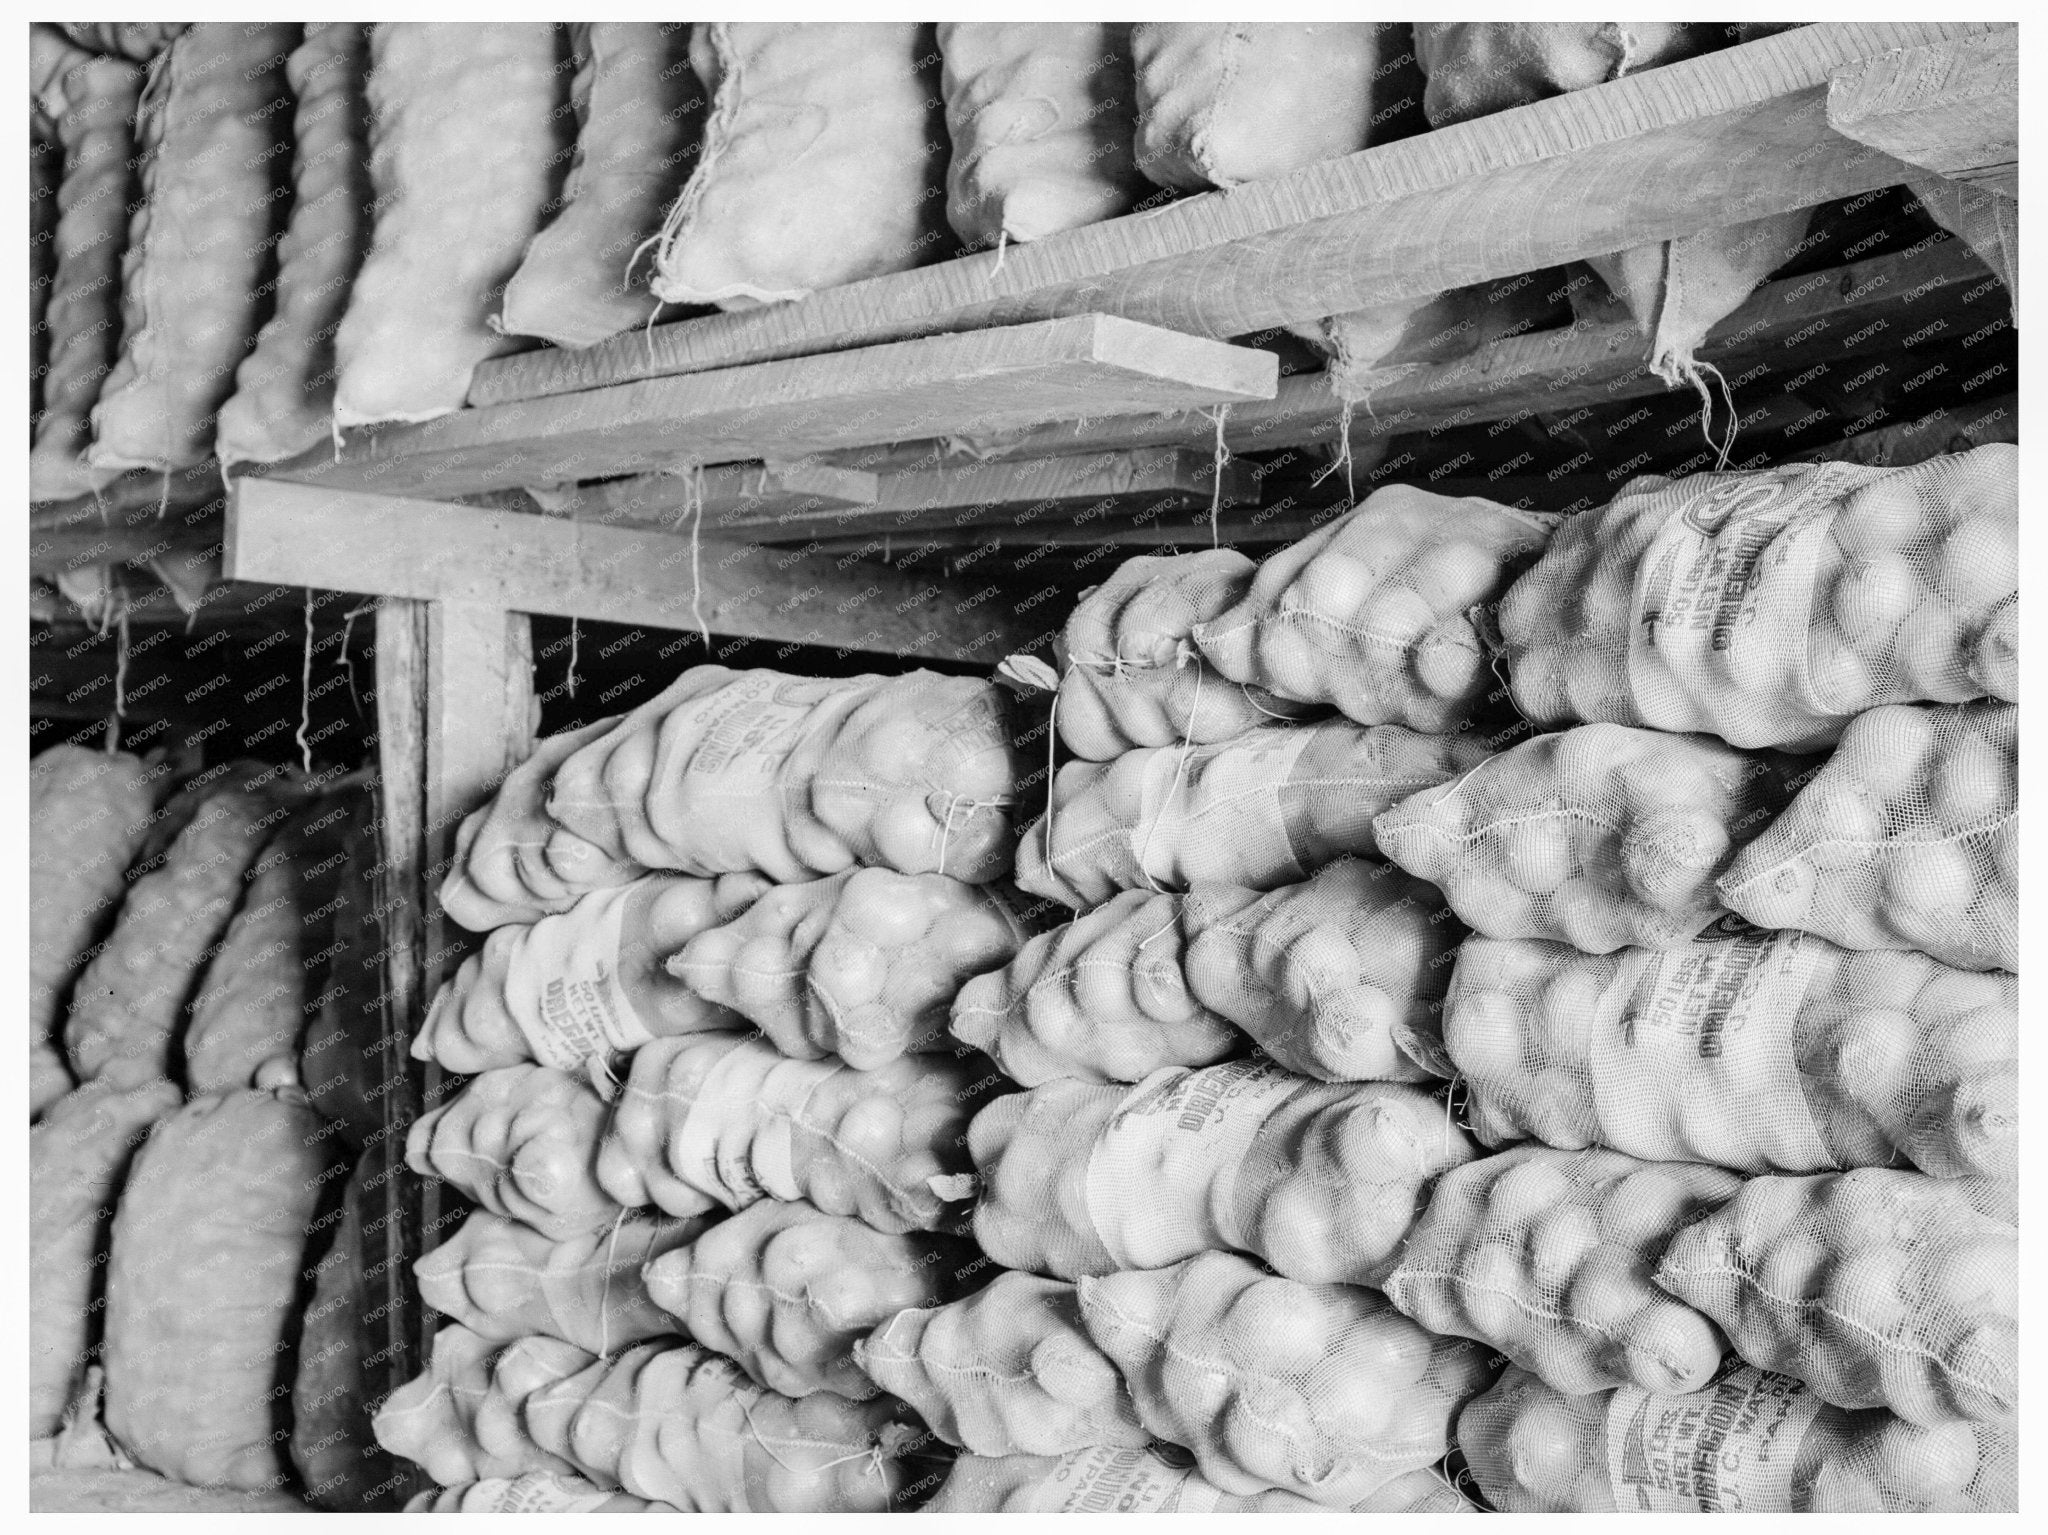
x: 1620, y: 1288
x: 1111, y: 1479
x: 1907, y: 838
x: 1324, y: 1181
x: 732, y: 772
x: 1230, y: 1050
x: 1774, y: 606
x: 1315, y: 1391
x: 197, y: 1274
x: 811, y: 859
x: 1750, y: 1441
x: 96, y: 131
x: 823, y: 161
x: 640, y: 112
x: 1761, y: 1052
x: 1040, y: 115
x: 215, y: 130
x: 1798, y: 1005
x: 493, y: 101
x: 1337, y: 978
x: 1601, y: 836
x: 663, y: 1420
x: 88, y: 815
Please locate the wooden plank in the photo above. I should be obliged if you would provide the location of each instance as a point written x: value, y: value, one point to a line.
x: 1952, y: 107
x: 1075, y: 491
x: 480, y: 721
x: 1952, y: 429
x: 725, y: 494
x: 132, y: 541
x: 1781, y: 324
x: 454, y: 713
x: 393, y: 1212
x: 1981, y: 216
x: 1696, y: 145
x: 1089, y: 365
x: 354, y: 541
x: 179, y: 491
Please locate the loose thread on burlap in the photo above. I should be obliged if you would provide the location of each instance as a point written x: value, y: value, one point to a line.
x: 306, y: 691
x: 647, y: 330
x: 1252, y: 698
x: 1724, y: 450
x: 1187, y: 747
x: 1166, y: 928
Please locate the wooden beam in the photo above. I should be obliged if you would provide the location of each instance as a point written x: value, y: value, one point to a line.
x: 304, y: 535
x: 1952, y: 107
x: 1953, y: 429
x: 455, y: 712
x: 395, y: 1198
x: 1082, y: 492
x: 1782, y: 324
x: 1696, y: 145
x: 1090, y: 365
x: 178, y: 491
x: 727, y: 495
x: 1984, y: 218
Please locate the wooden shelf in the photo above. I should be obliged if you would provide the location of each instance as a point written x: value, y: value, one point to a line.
x: 1090, y: 366
x: 485, y: 559
x: 1691, y: 146
x: 1783, y: 323
x: 1951, y: 108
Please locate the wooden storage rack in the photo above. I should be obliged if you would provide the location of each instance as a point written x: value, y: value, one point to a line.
x: 1066, y: 374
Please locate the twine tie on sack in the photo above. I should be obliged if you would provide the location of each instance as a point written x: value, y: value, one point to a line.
x: 604, y: 1295
x: 1052, y: 742
x: 973, y: 807
x: 1187, y: 747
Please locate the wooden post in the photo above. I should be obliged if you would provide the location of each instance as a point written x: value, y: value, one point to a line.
x: 455, y: 710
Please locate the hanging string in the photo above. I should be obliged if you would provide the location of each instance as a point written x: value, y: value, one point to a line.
x: 1216, y: 491
x: 569, y: 682
x: 306, y: 692
x: 1343, y: 459
x: 346, y: 660
x: 693, y: 498
x: 120, y: 682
